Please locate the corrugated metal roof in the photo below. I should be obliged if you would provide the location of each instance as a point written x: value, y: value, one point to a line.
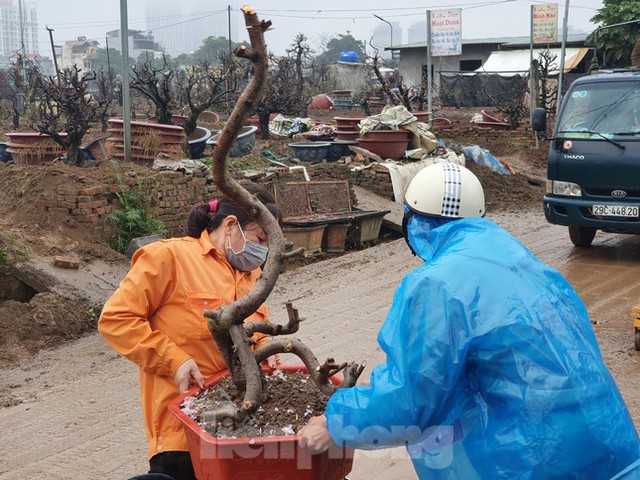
x: 506, y: 41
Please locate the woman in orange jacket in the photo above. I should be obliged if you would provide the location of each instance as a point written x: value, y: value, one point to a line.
x: 155, y: 317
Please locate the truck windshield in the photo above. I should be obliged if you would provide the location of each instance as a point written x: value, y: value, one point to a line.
x: 596, y: 109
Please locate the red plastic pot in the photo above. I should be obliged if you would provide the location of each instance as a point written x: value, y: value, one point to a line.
x: 393, y: 149
x: 321, y: 102
x: 347, y: 123
x: 258, y: 458
x: 388, y: 135
x: 33, y: 148
x: 347, y: 135
x: 421, y: 116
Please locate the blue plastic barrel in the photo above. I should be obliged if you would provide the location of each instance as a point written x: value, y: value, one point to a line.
x: 349, y: 56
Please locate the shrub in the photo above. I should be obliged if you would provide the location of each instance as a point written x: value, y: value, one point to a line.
x: 132, y: 219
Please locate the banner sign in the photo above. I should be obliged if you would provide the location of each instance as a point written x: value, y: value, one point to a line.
x: 545, y: 23
x: 446, y: 32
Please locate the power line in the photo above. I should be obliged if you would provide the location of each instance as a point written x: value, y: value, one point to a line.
x: 319, y: 12
x: 112, y: 23
x: 420, y: 9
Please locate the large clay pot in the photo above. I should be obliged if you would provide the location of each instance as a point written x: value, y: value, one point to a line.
x: 347, y: 135
x: 148, y: 139
x: 347, y: 123
x: 321, y: 102
x: 393, y: 149
x: 33, y: 148
x: 260, y: 457
x: 244, y: 144
x: 421, y: 116
x: 198, y: 142
x: 310, y: 151
x: 388, y: 135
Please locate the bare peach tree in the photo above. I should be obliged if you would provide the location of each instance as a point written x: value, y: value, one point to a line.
x: 226, y: 323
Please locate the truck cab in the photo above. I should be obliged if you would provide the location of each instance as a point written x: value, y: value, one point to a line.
x: 593, y: 172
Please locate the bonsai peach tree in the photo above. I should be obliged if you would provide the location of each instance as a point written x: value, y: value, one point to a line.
x: 226, y: 323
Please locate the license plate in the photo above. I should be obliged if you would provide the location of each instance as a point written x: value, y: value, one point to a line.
x: 615, y: 210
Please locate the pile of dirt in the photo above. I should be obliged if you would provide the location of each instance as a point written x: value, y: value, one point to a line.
x: 292, y: 399
x: 23, y: 225
x: 508, y: 192
x: 45, y: 321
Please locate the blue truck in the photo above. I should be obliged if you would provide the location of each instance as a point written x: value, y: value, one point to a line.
x: 593, y: 172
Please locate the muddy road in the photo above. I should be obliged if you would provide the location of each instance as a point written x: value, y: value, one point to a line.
x: 73, y: 412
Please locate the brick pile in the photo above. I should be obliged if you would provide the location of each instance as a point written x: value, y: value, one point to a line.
x: 172, y: 195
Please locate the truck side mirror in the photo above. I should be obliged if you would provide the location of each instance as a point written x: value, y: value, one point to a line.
x: 539, y: 120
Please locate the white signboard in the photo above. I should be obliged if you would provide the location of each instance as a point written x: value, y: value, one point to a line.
x: 545, y: 23
x: 446, y: 32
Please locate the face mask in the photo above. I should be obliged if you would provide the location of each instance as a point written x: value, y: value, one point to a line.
x: 249, y: 258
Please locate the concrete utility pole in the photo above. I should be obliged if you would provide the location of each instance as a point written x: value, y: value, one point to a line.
x: 531, y: 89
x: 53, y: 52
x: 126, y: 94
x: 229, y: 24
x: 106, y: 39
x: 21, y: 19
x: 562, y: 52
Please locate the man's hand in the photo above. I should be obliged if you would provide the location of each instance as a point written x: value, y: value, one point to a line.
x: 187, y: 375
x: 315, y: 437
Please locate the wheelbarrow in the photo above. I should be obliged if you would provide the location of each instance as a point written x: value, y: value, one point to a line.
x: 634, y: 313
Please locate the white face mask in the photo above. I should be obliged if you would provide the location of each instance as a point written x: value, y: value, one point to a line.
x: 250, y: 257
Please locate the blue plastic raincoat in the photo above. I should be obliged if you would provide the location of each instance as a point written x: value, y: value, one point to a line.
x: 492, y: 371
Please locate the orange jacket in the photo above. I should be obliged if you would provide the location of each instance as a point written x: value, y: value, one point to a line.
x: 155, y: 319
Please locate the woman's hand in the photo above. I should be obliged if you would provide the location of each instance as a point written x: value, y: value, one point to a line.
x: 274, y: 361
x: 315, y: 437
x: 187, y: 375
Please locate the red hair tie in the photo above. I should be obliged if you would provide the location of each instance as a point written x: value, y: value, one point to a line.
x: 213, y: 206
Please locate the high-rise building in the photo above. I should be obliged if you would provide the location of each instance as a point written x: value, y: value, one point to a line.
x: 140, y: 43
x: 182, y: 30
x: 13, y: 31
x: 418, y: 32
x: 381, y: 37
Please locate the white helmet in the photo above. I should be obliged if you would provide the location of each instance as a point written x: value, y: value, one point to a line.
x: 445, y: 190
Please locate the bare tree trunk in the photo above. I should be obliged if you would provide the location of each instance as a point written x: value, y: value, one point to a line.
x: 73, y: 154
x: 263, y: 117
x: 227, y: 323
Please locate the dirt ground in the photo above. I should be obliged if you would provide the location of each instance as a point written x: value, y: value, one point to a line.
x: 75, y: 409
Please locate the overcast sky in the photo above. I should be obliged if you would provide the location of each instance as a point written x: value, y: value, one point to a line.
x: 480, y: 18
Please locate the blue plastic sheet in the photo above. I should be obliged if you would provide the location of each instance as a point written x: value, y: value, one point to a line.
x: 492, y: 370
x: 482, y: 156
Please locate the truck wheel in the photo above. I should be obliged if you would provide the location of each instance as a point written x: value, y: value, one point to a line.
x: 637, y: 340
x: 582, y: 236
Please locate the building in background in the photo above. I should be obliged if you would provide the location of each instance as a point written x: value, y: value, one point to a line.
x: 180, y: 29
x: 11, y: 33
x: 381, y: 37
x: 417, y: 32
x: 140, y: 43
x: 81, y: 53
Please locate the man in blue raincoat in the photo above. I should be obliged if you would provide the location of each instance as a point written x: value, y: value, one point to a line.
x: 493, y: 370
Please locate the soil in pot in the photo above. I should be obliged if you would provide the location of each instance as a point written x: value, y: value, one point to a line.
x: 292, y: 399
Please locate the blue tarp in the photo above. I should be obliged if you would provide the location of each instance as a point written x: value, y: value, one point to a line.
x: 492, y: 370
x: 482, y: 156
